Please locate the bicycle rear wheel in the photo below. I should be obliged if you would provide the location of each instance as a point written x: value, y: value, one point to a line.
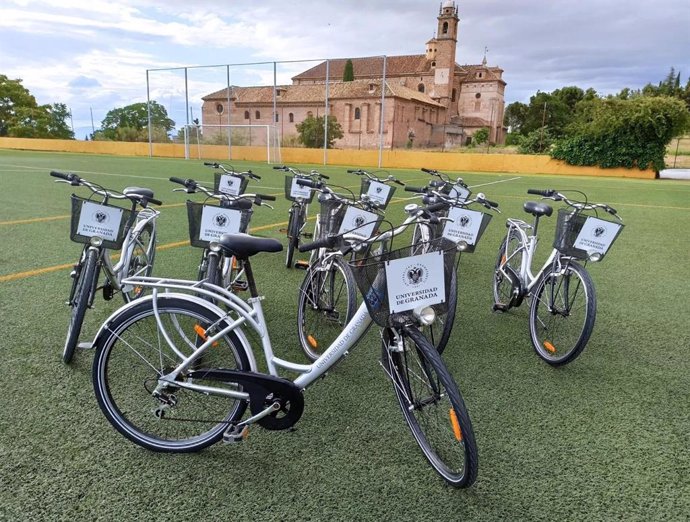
x: 132, y: 355
x: 432, y: 406
x: 141, y: 262
x: 84, y: 286
x: 293, y: 232
x: 506, y: 272
x: 327, y: 301
x: 562, y: 314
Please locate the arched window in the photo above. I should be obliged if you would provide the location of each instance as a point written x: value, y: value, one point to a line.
x: 453, y: 95
x: 246, y: 115
x: 276, y: 117
x: 420, y: 87
x: 477, y: 106
x: 291, y: 117
x: 358, y: 113
x: 257, y: 115
x: 445, y: 27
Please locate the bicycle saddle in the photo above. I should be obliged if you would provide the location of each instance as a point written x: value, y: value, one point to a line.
x: 138, y: 191
x: 537, y: 209
x: 243, y: 246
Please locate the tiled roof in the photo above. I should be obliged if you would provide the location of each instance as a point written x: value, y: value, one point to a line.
x: 471, y: 121
x: 368, y: 67
x: 467, y: 73
x: 316, y: 94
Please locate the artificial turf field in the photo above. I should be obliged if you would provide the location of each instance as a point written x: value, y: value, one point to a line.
x: 605, y: 437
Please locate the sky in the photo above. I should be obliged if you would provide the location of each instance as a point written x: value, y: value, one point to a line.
x: 94, y: 55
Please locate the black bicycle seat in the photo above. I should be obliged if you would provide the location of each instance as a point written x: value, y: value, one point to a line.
x: 243, y: 246
x: 138, y: 191
x: 537, y: 209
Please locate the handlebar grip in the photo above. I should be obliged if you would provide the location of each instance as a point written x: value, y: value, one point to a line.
x: 210, y: 164
x: 302, y: 182
x: 266, y: 197
x: 179, y: 181
x: 324, y: 176
x: 428, y: 171
x: 61, y: 175
x: 279, y: 167
x: 252, y: 175
x: 155, y: 201
x: 327, y: 242
x: 399, y: 182
x: 435, y: 207
x: 410, y: 188
x: 492, y: 204
x: 610, y: 210
x: 546, y: 193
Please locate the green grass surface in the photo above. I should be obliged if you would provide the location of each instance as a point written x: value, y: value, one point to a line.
x: 606, y: 437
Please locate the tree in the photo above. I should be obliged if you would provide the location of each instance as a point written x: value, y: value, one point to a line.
x: 311, y: 131
x: 22, y: 117
x: 515, y: 116
x: 481, y: 136
x: 130, y: 123
x: 349, y: 72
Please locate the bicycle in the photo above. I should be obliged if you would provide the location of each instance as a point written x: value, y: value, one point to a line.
x: 563, y: 301
x: 301, y: 197
x: 450, y: 201
x: 208, y: 222
x: 150, y: 386
x: 327, y: 297
x: 101, y: 228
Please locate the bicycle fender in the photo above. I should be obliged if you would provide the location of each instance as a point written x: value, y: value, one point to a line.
x: 214, y: 309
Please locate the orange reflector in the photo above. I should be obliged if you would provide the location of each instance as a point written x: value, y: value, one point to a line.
x: 503, y: 259
x: 202, y: 333
x: 550, y: 347
x: 456, y: 425
x: 312, y: 341
x: 234, y: 263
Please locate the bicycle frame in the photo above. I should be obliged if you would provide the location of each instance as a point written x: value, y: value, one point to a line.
x: 248, y: 313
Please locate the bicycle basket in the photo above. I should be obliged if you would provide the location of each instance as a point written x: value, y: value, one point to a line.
x: 379, y: 193
x: 330, y: 216
x: 396, y: 282
x: 229, y: 184
x: 294, y: 191
x: 90, y: 219
x: 580, y: 235
x: 208, y: 222
x: 466, y: 225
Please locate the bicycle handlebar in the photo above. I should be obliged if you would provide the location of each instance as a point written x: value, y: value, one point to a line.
x: 581, y: 205
x: 75, y: 180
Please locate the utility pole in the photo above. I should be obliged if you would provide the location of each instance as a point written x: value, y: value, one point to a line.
x: 541, y: 135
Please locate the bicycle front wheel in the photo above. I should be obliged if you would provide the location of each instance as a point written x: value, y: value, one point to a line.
x: 327, y: 301
x: 562, y: 314
x: 83, y: 287
x: 432, y: 406
x: 133, y: 354
x: 141, y: 262
x: 293, y: 232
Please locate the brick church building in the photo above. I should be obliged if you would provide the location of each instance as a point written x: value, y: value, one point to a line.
x: 428, y: 99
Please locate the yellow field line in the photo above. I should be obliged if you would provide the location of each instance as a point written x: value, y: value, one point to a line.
x: 46, y: 270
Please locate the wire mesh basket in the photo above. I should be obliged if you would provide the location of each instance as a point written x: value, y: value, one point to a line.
x: 93, y: 219
x: 208, y: 222
x: 579, y: 235
x: 294, y: 191
x: 330, y: 217
x: 229, y: 183
x: 380, y: 193
x: 413, y: 279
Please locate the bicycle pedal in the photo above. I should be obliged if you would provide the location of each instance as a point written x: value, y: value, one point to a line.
x: 108, y: 292
x: 235, y: 434
x: 86, y: 346
x: 302, y: 265
x: 239, y: 286
x: 307, y: 235
x: 499, y: 307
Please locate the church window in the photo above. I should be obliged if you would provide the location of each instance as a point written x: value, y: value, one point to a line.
x: 445, y: 27
x: 453, y: 95
x: 276, y: 117
x: 291, y: 117
x: 478, y: 95
x: 358, y: 114
x: 246, y: 115
x: 420, y: 87
x: 477, y: 106
x: 433, y: 64
x: 257, y: 115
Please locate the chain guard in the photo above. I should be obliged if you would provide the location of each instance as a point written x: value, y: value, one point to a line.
x: 263, y: 390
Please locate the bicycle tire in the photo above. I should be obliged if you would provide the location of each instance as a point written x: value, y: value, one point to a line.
x: 327, y: 301
x: 83, y: 287
x: 439, y: 332
x: 131, y: 354
x: 141, y: 262
x: 432, y: 406
x: 561, y: 317
x: 507, y: 293
x: 292, y: 236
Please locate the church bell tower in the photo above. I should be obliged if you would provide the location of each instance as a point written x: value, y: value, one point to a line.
x: 446, y: 43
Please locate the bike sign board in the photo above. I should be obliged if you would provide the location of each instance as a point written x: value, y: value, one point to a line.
x: 216, y: 221
x: 99, y: 220
x: 362, y: 222
x: 378, y: 192
x: 415, y: 281
x: 465, y: 225
x: 596, y: 235
x: 459, y: 192
x: 231, y: 185
x: 299, y: 191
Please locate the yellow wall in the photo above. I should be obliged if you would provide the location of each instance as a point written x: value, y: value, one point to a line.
x: 526, y: 164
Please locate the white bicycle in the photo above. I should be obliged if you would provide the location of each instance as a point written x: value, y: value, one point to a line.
x: 563, y: 302
x: 175, y: 372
